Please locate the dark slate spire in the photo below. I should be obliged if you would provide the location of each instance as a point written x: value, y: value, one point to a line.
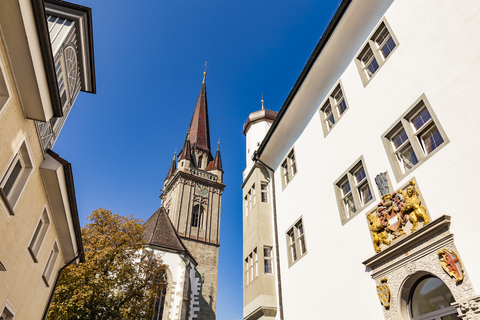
x: 186, y: 152
x: 217, y: 163
x: 173, y: 167
x: 159, y: 232
x: 199, y: 128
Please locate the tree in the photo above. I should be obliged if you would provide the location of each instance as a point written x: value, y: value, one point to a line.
x: 119, y: 280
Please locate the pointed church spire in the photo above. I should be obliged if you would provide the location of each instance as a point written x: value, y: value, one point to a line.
x: 173, y: 167
x: 186, y: 152
x: 217, y: 163
x: 199, y: 127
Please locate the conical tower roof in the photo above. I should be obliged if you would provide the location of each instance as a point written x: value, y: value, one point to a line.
x: 199, y: 128
x: 173, y: 167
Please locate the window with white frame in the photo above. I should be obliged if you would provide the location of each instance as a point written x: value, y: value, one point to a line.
x: 39, y: 235
x: 353, y: 190
x: 247, y: 273
x: 296, y: 244
x: 16, y: 175
x: 333, y: 108
x: 376, y: 51
x: 267, y: 260
x: 254, y: 201
x: 414, y: 138
x: 8, y: 312
x: 245, y: 204
x: 250, y: 258
x: 255, y: 262
x: 4, y: 94
x: 289, y: 168
x: 264, y: 191
x: 52, y: 259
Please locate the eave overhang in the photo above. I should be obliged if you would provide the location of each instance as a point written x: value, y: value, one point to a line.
x: 27, y: 42
x: 329, y: 31
x: 82, y: 16
x: 58, y: 180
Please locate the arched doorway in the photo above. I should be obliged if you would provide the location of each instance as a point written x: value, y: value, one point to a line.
x: 430, y: 299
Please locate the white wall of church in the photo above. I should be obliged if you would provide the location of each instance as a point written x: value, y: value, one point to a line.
x: 437, y: 56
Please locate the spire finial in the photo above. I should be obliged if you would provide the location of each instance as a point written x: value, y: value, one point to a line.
x: 205, y: 70
x: 218, y: 148
x: 175, y: 154
x: 262, y: 102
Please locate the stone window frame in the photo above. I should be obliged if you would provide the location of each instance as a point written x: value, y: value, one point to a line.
x: 331, y: 101
x: 349, y: 176
x: 251, y: 267
x: 293, y: 232
x: 376, y: 49
x: 264, y: 192
x: 5, y: 89
x: 289, y: 168
x: 404, y: 122
x: 8, y: 311
x: 23, y: 156
x: 50, y: 265
x: 200, y: 218
x: 268, y: 258
x: 39, y: 235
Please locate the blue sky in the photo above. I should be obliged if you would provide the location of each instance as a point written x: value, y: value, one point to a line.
x: 148, y: 60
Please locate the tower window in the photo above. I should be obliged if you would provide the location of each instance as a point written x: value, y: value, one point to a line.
x: 264, y: 190
x: 200, y: 160
x: 197, y: 216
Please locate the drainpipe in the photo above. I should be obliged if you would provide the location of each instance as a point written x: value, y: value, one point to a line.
x: 279, y: 278
x: 56, y: 283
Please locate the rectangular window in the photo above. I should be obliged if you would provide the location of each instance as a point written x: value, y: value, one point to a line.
x: 413, y: 138
x: 264, y: 190
x: 8, y: 312
x: 331, y: 115
x: 267, y: 260
x: 253, y: 195
x: 255, y: 258
x: 250, y: 200
x: 52, y: 259
x: 39, y: 235
x: 296, y: 242
x: 245, y: 201
x: 376, y: 51
x: 247, y: 276
x: 289, y: 168
x: 250, y: 258
x: 15, y: 178
x: 353, y: 190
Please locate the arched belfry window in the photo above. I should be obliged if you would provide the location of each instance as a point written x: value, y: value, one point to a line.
x: 197, y: 216
x: 431, y: 299
x: 200, y: 160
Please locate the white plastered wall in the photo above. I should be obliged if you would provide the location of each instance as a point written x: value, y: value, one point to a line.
x: 437, y: 56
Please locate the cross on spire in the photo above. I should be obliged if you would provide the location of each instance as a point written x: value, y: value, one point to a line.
x: 205, y: 70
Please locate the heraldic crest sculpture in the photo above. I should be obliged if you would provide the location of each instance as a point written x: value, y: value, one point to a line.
x: 394, y: 212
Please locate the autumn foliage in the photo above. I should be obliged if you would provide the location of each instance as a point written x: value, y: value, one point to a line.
x: 119, y: 280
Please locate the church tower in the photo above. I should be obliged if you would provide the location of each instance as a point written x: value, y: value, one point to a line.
x: 192, y: 198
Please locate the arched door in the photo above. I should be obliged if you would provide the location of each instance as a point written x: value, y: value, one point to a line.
x: 431, y: 299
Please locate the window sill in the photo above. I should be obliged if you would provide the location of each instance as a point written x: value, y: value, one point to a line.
x: 299, y: 258
x: 344, y: 222
x: 6, y: 202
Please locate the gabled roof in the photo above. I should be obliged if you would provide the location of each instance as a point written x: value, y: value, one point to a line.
x: 185, y: 153
x: 217, y: 163
x: 159, y: 232
x: 199, y: 130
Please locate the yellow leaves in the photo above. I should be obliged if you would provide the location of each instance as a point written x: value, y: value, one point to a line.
x: 114, y: 282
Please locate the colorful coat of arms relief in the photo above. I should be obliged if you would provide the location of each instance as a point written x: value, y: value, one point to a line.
x: 383, y: 292
x: 394, y: 212
x: 451, y: 264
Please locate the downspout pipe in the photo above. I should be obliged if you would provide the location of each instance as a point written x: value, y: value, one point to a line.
x: 56, y: 283
x: 279, y: 278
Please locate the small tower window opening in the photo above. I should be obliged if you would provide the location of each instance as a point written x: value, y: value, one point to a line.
x: 200, y: 160
x: 197, y: 216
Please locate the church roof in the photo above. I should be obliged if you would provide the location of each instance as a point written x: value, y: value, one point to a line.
x: 159, y: 232
x: 185, y: 153
x: 199, y: 129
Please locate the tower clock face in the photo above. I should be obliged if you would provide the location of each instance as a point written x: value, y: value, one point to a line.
x: 201, y: 190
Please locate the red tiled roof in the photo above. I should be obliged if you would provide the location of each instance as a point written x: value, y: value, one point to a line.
x: 199, y: 127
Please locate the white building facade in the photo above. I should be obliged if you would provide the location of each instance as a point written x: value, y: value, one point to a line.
x: 367, y: 145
